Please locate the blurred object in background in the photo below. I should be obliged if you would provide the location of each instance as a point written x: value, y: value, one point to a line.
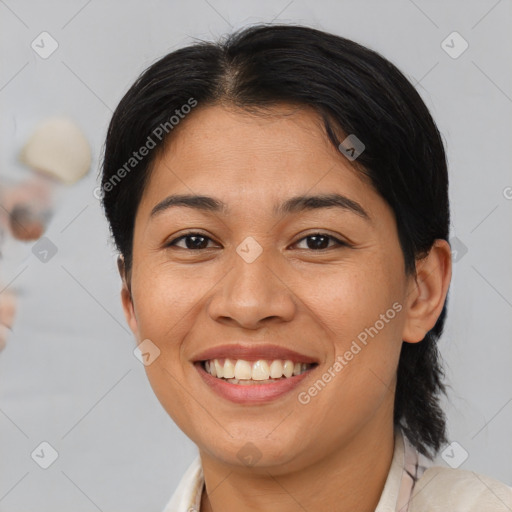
x: 59, y: 155
x: 58, y: 148
x: 8, y: 300
x: 27, y: 207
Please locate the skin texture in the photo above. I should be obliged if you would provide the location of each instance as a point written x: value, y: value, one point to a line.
x: 333, y: 453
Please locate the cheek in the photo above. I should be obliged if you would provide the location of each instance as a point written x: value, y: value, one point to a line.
x: 360, y: 314
x: 351, y: 299
x: 166, y: 307
x: 164, y: 300
x: 360, y: 308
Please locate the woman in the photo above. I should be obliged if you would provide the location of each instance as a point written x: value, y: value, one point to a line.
x: 280, y: 204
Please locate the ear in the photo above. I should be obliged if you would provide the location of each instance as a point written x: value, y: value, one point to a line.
x: 427, y: 291
x: 126, y: 297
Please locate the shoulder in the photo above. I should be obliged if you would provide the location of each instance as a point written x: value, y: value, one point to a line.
x: 453, y: 490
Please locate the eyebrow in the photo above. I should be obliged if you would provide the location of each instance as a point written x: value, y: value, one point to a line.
x: 204, y: 203
x: 303, y: 203
x: 293, y: 205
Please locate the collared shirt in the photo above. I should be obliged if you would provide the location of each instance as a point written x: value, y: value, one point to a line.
x: 411, y: 486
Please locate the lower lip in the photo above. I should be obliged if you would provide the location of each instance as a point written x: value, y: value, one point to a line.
x: 251, y: 393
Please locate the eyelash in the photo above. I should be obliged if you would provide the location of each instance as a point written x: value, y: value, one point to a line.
x: 339, y: 243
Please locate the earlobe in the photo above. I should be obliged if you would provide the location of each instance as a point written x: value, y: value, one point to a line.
x: 126, y: 297
x: 427, y: 292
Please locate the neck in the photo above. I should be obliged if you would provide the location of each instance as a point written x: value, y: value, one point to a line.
x: 347, y: 479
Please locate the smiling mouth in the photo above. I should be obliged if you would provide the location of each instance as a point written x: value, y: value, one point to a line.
x: 262, y: 371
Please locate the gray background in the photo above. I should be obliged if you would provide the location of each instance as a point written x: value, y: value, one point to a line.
x: 68, y: 375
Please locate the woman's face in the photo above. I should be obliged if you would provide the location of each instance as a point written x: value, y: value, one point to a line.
x: 266, y: 269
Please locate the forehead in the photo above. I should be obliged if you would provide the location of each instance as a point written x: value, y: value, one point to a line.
x: 252, y: 158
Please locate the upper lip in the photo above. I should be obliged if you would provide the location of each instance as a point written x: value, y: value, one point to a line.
x: 253, y: 353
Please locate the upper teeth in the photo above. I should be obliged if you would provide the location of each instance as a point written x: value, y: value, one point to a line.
x: 257, y: 370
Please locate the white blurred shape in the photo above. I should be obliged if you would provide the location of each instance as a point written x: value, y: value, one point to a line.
x: 59, y: 148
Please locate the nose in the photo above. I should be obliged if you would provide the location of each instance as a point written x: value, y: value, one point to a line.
x: 253, y: 294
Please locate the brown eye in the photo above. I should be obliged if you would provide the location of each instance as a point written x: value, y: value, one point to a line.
x: 191, y: 241
x: 320, y: 241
